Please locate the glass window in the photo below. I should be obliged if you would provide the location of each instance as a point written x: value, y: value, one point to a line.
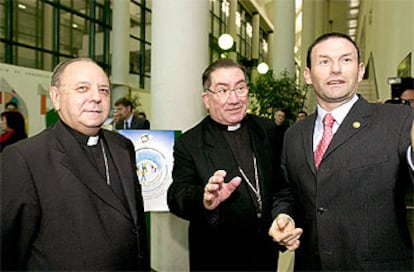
x: 219, y: 18
x: 79, y: 5
x: 72, y: 40
x: 139, y: 42
x: 47, y: 31
x: 244, y: 39
x: 25, y: 56
x: 26, y: 23
x: 263, y: 45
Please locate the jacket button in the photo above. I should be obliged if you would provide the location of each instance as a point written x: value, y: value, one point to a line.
x: 134, y: 231
x: 321, y: 210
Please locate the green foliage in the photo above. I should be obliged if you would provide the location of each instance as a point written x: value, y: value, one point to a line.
x: 271, y: 93
x: 134, y: 98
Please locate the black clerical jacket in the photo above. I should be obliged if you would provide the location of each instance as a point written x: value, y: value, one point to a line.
x: 231, y: 237
x: 58, y: 213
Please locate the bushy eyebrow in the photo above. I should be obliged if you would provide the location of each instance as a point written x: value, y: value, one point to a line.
x: 225, y: 84
x: 88, y: 83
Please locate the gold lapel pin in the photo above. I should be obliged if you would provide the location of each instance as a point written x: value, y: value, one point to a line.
x: 356, y: 124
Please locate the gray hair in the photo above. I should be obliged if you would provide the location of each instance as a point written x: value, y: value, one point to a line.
x: 60, y: 69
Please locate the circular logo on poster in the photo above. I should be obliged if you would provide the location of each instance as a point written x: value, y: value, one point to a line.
x: 152, y: 172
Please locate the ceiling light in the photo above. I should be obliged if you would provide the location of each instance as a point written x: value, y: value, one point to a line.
x: 353, y: 12
x: 353, y: 23
x: 262, y: 68
x: 353, y: 3
x: 225, y: 41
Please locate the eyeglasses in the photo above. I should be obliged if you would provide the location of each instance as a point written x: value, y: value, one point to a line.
x: 407, y: 102
x: 410, y: 101
x: 224, y: 93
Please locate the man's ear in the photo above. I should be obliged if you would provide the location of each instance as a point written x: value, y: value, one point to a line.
x: 307, y: 75
x: 206, y: 98
x: 361, y: 68
x: 55, y: 97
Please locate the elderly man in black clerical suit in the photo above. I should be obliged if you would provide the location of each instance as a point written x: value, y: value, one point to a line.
x: 70, y: 197
x: 227, y: 180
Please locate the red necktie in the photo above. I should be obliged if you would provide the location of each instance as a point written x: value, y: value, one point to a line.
x: 328, y: 122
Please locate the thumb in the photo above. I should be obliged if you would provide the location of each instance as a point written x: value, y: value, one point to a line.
x: 282, y: 222
x: 234, y: 183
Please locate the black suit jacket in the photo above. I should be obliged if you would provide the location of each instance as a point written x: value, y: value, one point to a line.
x: 58, y: 213
x: 136, y: 123
x: 230, y: 237
x: 352, y: 209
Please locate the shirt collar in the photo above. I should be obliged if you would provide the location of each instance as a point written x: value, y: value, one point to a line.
x: 227, y: 127
x: 233, y: 127
x: 339, y: 113
x: 129, y: 120
x: 83, y: 139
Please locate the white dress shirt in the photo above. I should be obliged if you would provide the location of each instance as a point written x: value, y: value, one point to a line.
x: 129, y: 121
x: 339, y: 114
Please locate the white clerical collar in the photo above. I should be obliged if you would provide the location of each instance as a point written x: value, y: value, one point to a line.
x: 234, y: 127
x: 93, y: 140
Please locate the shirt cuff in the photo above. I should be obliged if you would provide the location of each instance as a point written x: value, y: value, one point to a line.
x: 410, y: 157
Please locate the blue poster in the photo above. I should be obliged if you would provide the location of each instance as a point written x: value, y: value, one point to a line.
x: 154, y: 158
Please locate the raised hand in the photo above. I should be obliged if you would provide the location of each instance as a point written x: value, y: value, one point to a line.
x: 216, y: 190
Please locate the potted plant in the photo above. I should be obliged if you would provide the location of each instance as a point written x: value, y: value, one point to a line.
x: 269, y: 93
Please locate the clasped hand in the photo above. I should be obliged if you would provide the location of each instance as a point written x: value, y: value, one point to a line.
x: 216, y: 190
x: 283, y: 232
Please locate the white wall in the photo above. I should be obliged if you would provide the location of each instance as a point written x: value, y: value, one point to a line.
x: 388, y: 29
x: 29, y: 86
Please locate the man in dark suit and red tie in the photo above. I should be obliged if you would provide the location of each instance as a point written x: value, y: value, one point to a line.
x: 351, y: 195
x: 70, y: 197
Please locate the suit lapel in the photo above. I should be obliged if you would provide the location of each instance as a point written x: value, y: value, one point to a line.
x: 122, y: 163
x: 354, y: 123
x: 79, y: 165
x: 307, y: 136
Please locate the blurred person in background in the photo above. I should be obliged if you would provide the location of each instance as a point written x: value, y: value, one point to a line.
x: 13, y: 128
x: 301, y: 115
x: 407, y: 94
x: 142, y: 115
x: 12, y: 106
x: 402, y: 92
x: 128, y: 120
x: 279, y: 118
